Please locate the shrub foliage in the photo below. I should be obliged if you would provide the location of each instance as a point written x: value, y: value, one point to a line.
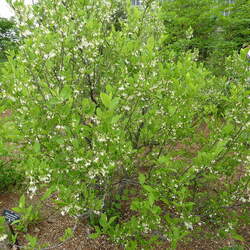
x: 149, y: 148
x: 8, y: 37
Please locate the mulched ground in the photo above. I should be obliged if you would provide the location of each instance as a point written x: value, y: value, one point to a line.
x: 53, y: 224
x: 52, y: 227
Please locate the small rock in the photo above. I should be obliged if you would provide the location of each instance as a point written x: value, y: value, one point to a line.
x: 37, y: 230
x: 51, y: 220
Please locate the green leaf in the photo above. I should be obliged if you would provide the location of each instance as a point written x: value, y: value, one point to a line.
x: 68, y: 233
x: 237, y: 236
x: 114, y: 102
x: 66, y: 92
x: 36, y: 147
x: 48, y: 193
x: 164, y: 159
x: 2, y: 220
x: 16, y: 221
x: 148, y: 188
x: 112, y: 219
x: 151, y: 199
x: 94, y: 235
x: 88, y: 106
x: 109, y: 89
x: 150, y: 43
x: 141, y: 178
x: 106, y: 99
x: 103, y: 220
x: 99, y: 113
x: 228, y: 129
x: 32, y: 241
x: 172, y: 109
x: 59, y: 140
x: 22, y: 202
x: 116, y: 118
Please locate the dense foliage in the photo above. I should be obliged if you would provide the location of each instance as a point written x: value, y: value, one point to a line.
x: 191, y: 25
x: 8, y: 37
x: 149, y: 147
x: 215, y: 28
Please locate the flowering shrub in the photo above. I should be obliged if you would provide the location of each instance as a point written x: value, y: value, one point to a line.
x: 148, y: 148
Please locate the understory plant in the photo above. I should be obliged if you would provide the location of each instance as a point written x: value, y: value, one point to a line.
x: 29, y: 214
x: 149, y: 148
x: 10, y: 174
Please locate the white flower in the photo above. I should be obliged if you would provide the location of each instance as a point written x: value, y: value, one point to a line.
x: 45, y: 179
x: 97, y: 212
x: 76, y: 160
x: 27, y: 33
x: 242, y: 199
x: 127, y: 108
x: 3, y: 237
x: 65, y: 210
x: 60, y: 127
x: 32, y: 190
x: 121, y: 88
x: 189, y: 225
x: 96, y: 159
x: 68, y: 148
x: 61, y: 78
x: 102, y: 139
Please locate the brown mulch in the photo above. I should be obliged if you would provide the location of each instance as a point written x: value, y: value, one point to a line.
x: 53, y: 224
x: 52, y: 227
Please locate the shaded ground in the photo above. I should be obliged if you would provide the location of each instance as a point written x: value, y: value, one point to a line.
x: 52, y: 226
